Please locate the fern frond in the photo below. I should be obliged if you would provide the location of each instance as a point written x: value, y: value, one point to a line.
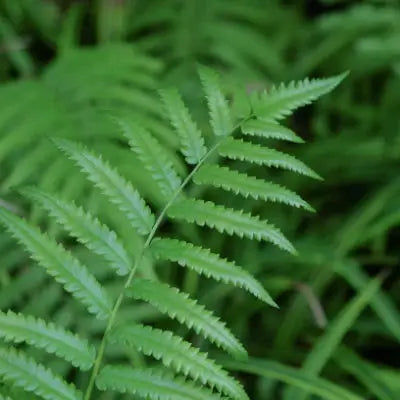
x: 86, y: 228
x: 192, y: 141
x: 247, y: 186
x: 60, y: 264
x: 23, y: 372
x: 238, y: 149
x: 282, y: 100
x: 233, y: 222
x: 153, y: 157
x: 269, y: 130
x: 118, y: 190
x: 178, y: 354
x: 150, y: 384
x: 180, y: 306
x: 220, y: 115
x: 72, y: 90
x: 204, y: 262
x: 54, y: 339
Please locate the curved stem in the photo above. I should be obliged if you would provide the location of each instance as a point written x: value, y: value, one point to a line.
x: 118, y: 302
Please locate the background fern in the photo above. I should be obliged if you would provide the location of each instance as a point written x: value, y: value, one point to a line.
x: 86, y: 66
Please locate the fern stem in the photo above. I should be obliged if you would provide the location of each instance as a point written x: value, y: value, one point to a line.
x: 118, y: 302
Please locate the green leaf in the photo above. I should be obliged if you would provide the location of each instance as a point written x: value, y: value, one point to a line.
x: 280, y: 101
x: 383, y: 305
x: 237, y: 149
x: 118, y: 190
x: 153, y: 157
x: 180, y: 306
x: 192, y: 142
x: 220, y: 116
x: 292, y: 376
x: 60, y: 264
x: 328, y: 343
x: 86, y: 228
x: 178, y: 354
x: 269, y: 130
x: 204, y: 262
x: 150, y: 384
x: 19, y: 328
x: 247, y: 186
x: 23, y: 372
x: 365, y: 373
x: 228, y: 220
x: 390, y: 377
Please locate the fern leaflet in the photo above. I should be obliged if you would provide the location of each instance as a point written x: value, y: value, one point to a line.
x: 220, y: 115
x: 237, y: 149
x: 54, y: 339
x: 23, y: 372
x: 60, y: 264
x: 247, y: 186
x: 86, y: 228
x: 192, y: 142
x: 269, y: 130
x: 280, y: 101
x: 153, y: 157
x: 204, y: 262
x: 227, y: 220
x: 150, y: 384
x: 118, y: 190
x: 180, y: 306
x: 178, y: 354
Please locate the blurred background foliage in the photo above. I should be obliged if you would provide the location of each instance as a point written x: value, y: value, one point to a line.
x: 68, y: 67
